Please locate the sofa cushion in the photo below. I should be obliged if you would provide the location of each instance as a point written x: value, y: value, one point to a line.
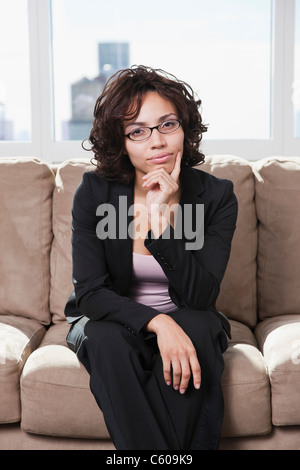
x: 237, y: 298
x: 278, y: 211
x: 26, y: 186
x: 279, y: 340
x: 55, y: 393
x: 55, y: 385
x: 18, y: 338
x: 68, y: 177
x: 245, y: 385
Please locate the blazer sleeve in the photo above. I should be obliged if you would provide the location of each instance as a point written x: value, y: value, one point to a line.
x: 195, y: 275
x: 96, y: 296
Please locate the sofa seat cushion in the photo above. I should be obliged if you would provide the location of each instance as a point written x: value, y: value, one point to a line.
x: 279, y: 340
x: 18, y: 338
x: 55, y: 393
x: 56, y: 398
x: 245, y: 385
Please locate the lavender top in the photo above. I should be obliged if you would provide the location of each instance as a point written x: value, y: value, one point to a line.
x: 149, y: 284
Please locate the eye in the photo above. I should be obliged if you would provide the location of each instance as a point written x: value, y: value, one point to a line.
x: 139, y: 132
x: 169, y: 125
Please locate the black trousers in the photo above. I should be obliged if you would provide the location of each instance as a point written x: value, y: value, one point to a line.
x: 126, y: 378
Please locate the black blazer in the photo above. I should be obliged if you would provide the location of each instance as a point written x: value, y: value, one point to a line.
x: 102, y: 268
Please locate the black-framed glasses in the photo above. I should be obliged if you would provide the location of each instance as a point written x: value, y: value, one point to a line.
x: 165, y: 127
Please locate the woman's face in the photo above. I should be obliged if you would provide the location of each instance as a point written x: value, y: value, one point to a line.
x: 159, y: 150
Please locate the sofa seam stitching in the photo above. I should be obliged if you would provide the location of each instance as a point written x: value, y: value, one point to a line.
x: 53, y: 384
x: 265, y: 379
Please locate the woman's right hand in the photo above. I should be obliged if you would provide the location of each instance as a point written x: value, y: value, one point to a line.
x: 177, y: 351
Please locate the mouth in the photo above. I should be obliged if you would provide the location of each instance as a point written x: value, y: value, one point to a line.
x: 161, y: 158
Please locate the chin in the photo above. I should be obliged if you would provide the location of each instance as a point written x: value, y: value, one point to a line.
x: 167, y: 166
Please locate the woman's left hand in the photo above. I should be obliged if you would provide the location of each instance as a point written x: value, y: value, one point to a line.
x: 178, y: 354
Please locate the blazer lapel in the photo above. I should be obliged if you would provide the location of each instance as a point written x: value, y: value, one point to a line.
x: 193, y: 187
x: 122, y: 199
x: 192, y: 194
x: 120, y: 249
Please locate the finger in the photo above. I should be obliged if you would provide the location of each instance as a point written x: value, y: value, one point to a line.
x: 177, y: 167
x: 167, y: 372
x: 155, y: 173
x: 176, y: 373
x: 164, y: 181
x: 185, y: 376
x: 156, y: 170
x: 153, y: 179
x: 196, y: 370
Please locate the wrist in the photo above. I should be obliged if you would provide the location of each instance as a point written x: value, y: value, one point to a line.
x: 158, y: 223
x: 155, y: 323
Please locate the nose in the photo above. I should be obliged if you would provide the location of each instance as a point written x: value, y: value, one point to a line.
x: 157, y: 139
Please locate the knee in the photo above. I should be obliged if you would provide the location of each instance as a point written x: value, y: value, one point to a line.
x: 101, y: 334
x: 200, y: 326
x: 108, y: 336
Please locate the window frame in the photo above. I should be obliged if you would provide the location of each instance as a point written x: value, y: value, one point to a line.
x: 282, y: 141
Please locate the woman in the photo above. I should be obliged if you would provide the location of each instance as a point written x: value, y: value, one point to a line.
x: 145, y: 324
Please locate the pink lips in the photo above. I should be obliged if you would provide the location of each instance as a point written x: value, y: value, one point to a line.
x: 161, y: 158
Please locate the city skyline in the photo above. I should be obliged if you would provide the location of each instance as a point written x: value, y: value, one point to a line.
x: 112, y: 56
x: 223, y: 50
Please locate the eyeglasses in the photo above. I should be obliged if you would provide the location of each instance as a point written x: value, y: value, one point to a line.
x: 165, y: 127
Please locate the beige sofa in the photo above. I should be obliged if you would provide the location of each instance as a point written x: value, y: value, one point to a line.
x: 45, y: 398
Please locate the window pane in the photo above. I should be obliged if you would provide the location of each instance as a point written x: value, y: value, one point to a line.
x: 15, y: 112
x: 296, y: 91
x: 222, y: 48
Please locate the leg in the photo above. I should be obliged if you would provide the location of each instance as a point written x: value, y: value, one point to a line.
x: 198, y: 414
x: 126, y: 390
x: 140, y: 410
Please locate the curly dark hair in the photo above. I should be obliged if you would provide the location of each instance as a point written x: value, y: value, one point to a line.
x: 121, y: 100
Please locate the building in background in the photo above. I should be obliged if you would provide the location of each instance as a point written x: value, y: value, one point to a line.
x: 6, y: 126
x: 84, y: 93
x: 113, y: 57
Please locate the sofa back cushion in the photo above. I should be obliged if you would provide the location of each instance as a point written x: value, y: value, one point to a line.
x: 26, y: 187
x: 237, y: 298
x: 278, y: 211
x: 68, y: 177
x: 238, y: 293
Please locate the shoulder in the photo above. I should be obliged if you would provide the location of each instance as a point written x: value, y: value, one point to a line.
x: 199, y: 181
x: 92, y: 187
x: 90, y: 179
x: 91, y: 191
x: 217, y: 194
x: 98, y: 190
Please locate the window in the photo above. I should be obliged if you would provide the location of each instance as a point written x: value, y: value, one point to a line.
x: 15, y: 104
x: 223, y: 50
x: 241, y: 57
x: 296, y: 85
